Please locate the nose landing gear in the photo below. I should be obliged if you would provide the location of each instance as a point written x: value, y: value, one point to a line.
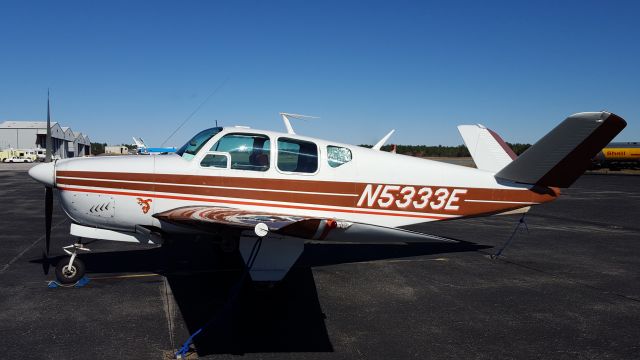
x: 70, y: 269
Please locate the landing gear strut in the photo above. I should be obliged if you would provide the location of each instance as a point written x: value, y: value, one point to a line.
x: 70, y: 269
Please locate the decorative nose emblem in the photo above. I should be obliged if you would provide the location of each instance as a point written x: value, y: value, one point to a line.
x: 145, y: 203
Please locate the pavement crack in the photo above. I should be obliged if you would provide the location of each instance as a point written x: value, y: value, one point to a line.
x: 606, y: 226
x: 169, y: 311
x: 6, y: 266
x: 575, y: 282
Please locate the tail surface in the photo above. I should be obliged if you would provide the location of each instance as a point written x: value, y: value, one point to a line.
x: 139, y: 142
x: 487, y: 148
x: 564, y: 154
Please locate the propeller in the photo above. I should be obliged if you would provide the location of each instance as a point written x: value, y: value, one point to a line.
x: 48, y: 197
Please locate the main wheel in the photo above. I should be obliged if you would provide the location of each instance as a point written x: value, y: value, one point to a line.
x: 69, y: 274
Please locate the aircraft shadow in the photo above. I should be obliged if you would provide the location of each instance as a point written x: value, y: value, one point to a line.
x: 321, y: 254
x: 249, y: 319
x: 286, y: 318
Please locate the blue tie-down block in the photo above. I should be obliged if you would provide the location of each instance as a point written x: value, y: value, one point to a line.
x: 80, y: 283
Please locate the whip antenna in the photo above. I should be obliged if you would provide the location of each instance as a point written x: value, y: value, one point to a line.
x: 195, y: 111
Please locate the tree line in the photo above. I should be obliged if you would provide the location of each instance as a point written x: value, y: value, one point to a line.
x: 442, y: 151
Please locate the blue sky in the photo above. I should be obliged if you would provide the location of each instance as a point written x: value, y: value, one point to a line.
x: 119, y: 69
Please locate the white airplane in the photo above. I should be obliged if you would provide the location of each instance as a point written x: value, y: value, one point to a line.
x: 269, y: 192
x: 144, y: 149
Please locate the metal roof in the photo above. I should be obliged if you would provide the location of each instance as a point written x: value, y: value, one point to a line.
x: 25, y: 124
x: 41, y: 126
x: 81, y: 138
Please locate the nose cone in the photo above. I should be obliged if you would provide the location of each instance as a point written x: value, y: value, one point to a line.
x: 43, y: 173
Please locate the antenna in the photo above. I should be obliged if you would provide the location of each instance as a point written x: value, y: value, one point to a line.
x: 287, y: 123
x: 378, y: 145
x: 195, y: 111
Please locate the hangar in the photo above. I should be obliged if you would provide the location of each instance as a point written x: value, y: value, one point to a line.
x: 66, y: 143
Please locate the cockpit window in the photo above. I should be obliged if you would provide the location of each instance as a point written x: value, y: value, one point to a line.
x: 247, y: 151
x: 191, y: 148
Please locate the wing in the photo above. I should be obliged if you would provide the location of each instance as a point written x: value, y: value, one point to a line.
x: 213, y: 218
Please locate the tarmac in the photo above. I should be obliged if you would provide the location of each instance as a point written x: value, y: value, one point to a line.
x: 569, y: 288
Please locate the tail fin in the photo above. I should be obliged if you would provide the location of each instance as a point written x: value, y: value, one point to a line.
x: 487, y: 148
x: 562, y: 155
x: 139, y: 142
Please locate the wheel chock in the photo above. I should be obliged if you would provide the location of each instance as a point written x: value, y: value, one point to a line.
x: 78, y: 284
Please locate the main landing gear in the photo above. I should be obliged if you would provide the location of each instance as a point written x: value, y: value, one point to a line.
x: 70, y: 269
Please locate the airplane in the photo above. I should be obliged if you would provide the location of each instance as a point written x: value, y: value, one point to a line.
x: 144, y: 150
x: 269, y: 192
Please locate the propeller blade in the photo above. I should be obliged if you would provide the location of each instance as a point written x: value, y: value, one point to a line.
x: 48, y: 213
x: 49, y: 145
x: 48, y: 196
x: 45, y: 263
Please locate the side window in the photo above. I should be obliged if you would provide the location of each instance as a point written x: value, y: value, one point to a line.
x: 297, y: 156
x: 247, y: 151
x: 214, y: 160
x: 337, y: 155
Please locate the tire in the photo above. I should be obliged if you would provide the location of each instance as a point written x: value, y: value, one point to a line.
x: 69, y: 276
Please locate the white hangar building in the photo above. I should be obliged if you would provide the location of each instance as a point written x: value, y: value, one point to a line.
x: 66, y: 143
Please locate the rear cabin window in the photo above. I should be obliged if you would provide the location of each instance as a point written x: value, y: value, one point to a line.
x: 337, y: 155
x: 297, y: 156
x: 247, y: 151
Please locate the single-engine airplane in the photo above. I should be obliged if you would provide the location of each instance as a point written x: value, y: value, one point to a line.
x: 241, y: 185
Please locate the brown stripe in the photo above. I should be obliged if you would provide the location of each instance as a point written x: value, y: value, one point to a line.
x: 465, y: 208
x: 252, y: 203
x: 333, y: 200
x: 274, y: 184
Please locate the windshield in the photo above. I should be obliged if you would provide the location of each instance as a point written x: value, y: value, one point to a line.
x: 191, y: 148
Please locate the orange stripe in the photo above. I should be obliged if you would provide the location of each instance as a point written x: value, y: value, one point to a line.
x: 173, y: 197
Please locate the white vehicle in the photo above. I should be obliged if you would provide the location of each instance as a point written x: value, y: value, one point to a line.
x: 41, y: 154
x: 15, y: 159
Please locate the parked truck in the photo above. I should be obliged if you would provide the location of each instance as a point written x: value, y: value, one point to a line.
x: 18, y: 155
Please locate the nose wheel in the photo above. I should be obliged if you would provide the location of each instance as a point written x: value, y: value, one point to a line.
x: 70, y: 269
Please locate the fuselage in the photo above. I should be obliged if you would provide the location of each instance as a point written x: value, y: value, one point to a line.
x: 282, y: 173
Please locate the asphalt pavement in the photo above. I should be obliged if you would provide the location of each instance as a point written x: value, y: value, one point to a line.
x: 567, y: 288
